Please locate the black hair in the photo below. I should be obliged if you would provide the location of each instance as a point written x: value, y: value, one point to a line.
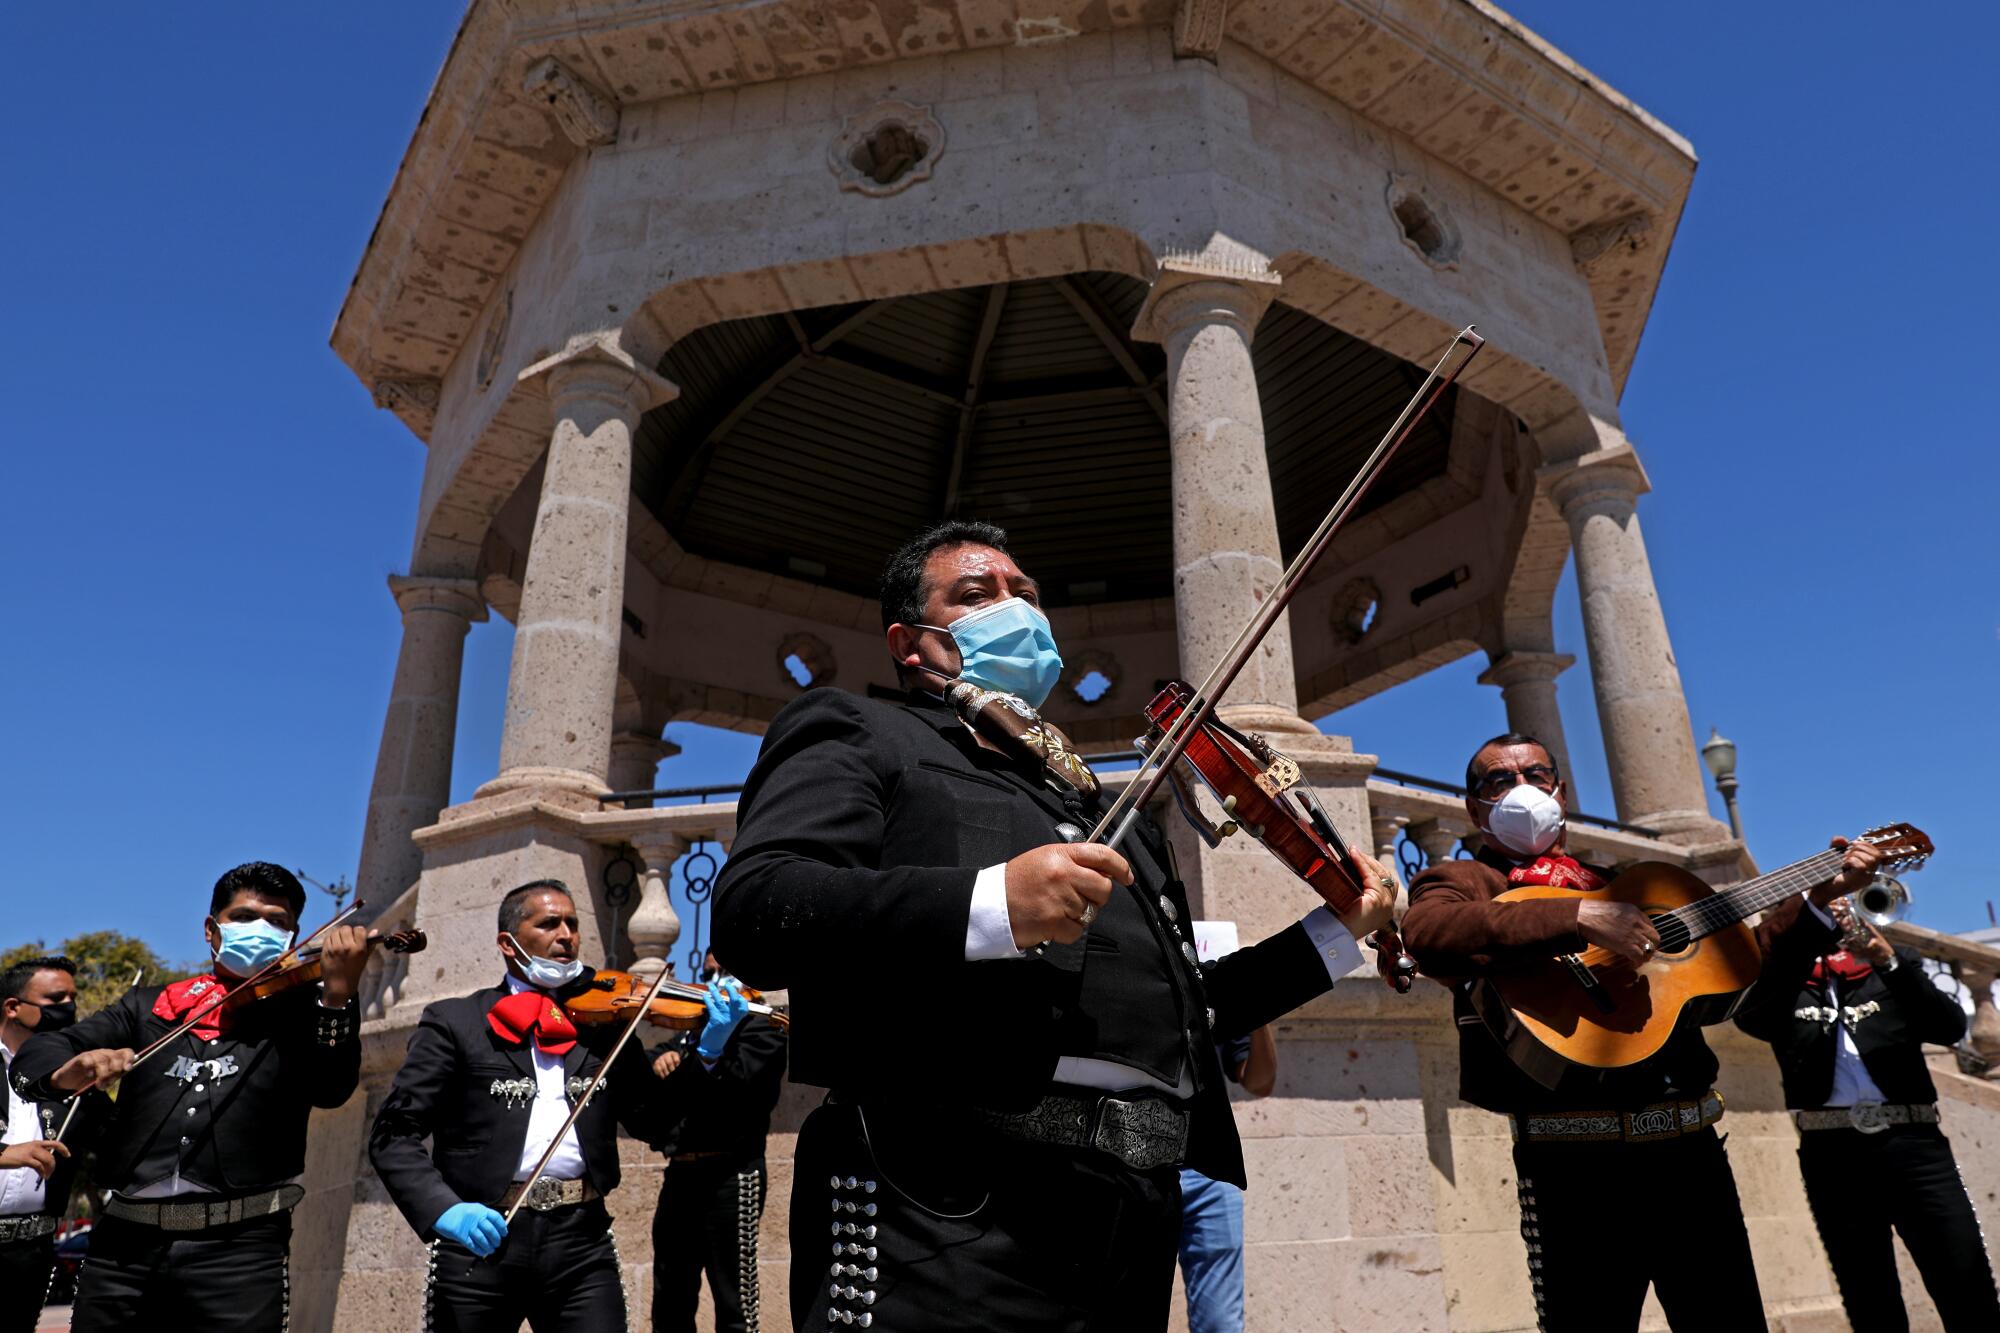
x: 1506, y: 738
x: 263, y: 879
x: 903, y: 590
x: 514, y: 907
x: 16, y: 978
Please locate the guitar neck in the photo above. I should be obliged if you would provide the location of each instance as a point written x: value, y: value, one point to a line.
x: 1746, y: 900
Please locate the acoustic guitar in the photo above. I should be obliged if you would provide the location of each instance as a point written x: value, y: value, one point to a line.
x: 1596, y: 1011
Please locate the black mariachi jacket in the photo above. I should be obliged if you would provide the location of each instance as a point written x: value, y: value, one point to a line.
x: 1891, y: 1017
x: 859, y: 835
x: 82, y: 1133
x: 469, y: 1091
x: 726, y: 1109
x: 228, y: 1113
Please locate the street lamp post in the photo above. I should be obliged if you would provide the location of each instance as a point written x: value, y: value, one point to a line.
x: 1719, y: 753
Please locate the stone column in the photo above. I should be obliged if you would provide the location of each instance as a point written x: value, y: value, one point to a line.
x: 563, y: 683
x: 1226, y: 562
x: 413, y: 766
x: 1655, y: 771
x: 1984, y: 1030
x: 635, y: 762
x: 1527, y: 682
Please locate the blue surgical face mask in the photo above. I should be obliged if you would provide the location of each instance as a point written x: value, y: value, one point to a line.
x: 1007, y: 646
x: 546, y: 973
x: 248, y: 946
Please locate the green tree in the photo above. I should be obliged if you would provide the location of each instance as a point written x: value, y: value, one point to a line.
x: 105, y: 963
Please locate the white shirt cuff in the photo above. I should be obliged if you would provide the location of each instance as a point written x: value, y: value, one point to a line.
x: 1340, y: 951
x: 989, y: 931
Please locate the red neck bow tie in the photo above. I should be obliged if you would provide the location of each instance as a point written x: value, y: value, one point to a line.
x: 528, y: 1012
x: 1561, y: 872
x: 1842, y: 964
x: 182, y: 998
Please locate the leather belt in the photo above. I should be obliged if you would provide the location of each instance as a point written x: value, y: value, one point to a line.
x: 548, y: 1195
x: 1647, y: 1124
x: 1867, y: 1117
x: 1142, y: 1132
x: 200, y: 1213
x: 27, y: 1226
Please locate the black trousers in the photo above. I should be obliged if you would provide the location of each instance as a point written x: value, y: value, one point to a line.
x: 25, y: 1269
x: 1861, y: 1186
x: 234, y: 1278
x: 558, y: 1270
x: 966, y: 1231
x: 1604, y: 1220
x: 707, y: 1221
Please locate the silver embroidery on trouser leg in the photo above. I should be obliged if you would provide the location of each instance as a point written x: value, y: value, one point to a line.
x: 1531, y: 1237
x: 749, y: 1207
x: 430, y: 1288
x: 624, y: 1296
x: 285, y: 1276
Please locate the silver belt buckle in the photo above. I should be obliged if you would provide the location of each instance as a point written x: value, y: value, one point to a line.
x: 1868, y: 1117
x: 1142, y: 1134
x: 183, y: 1216
x: 543, y: 1195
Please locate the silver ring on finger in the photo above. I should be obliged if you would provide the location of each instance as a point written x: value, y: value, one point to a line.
x: 1645, y: 946
x: 1089, y: 914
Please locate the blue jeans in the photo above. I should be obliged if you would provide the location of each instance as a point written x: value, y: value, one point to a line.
x: 1212, y: 1253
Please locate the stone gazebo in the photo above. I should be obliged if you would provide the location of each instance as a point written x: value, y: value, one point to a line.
x: 698, y: 311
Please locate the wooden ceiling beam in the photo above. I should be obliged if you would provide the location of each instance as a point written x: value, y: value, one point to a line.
x: 1099, y: 321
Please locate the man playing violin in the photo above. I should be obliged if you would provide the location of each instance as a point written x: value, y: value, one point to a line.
x: 208, y: 1135
x: 1009, y: 1158
x: 490, y: 1079
x: 1610, y: 1202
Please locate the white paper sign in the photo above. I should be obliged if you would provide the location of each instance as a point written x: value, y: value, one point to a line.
x: 1213, y: 939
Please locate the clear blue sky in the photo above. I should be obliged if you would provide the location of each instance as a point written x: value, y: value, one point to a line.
x: 202, y: 503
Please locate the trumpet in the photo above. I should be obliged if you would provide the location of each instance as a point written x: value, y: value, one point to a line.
x: 1883, y: 902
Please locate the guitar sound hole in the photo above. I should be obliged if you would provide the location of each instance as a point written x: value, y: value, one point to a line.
x: 1674, y: 935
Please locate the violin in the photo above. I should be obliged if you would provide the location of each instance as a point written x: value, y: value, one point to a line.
x: 614, y: 997
x: 303, y: 965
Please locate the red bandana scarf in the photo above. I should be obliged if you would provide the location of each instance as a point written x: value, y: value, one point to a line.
x: 530, y: 1012
x: 182, y: 998
x: 1848, y: 967
x: 1560, y: 872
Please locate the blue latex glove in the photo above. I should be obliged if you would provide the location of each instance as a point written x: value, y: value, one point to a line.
x: 727, y: 1008
x: 473, y: 1225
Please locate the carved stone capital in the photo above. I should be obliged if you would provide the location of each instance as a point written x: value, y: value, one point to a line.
x: 422, y: 594
x: 1609, y: 479
x: 596, y: 366
x: 586, y: 116
x: 1516, y: 668
x: 1205, y: 289
x: 1198, y: 28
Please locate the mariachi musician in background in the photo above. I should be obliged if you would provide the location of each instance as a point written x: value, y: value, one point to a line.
x: 208, y: 1134
x: 1001, y: 1148
x: 1849, y: 1036
x: 1622, y: 1178
x: 501, y: 1084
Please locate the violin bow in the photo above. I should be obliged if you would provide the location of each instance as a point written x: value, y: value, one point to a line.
x: 569, y: 1123
x: 1158, y: 761
x: 76, y: 1098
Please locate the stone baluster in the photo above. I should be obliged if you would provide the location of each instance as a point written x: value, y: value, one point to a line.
x: 1527, y: 682
x: 413, y: 765
x: 1387, y: 828
x: 1437, y: 839
x: 1656, y: 774
x: 1985, y: 1029
x: 654, y: 926
x: 563, y: 683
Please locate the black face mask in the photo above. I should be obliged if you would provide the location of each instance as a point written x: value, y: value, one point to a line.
x: 56, y: 1017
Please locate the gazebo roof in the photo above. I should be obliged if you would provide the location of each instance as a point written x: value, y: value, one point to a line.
x: 1462, y: 79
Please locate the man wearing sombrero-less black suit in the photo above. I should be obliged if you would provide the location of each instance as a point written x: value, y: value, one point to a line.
x: 1001, y: 1143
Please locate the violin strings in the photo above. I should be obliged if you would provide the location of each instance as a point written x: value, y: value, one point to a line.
x: 1147, y: 777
